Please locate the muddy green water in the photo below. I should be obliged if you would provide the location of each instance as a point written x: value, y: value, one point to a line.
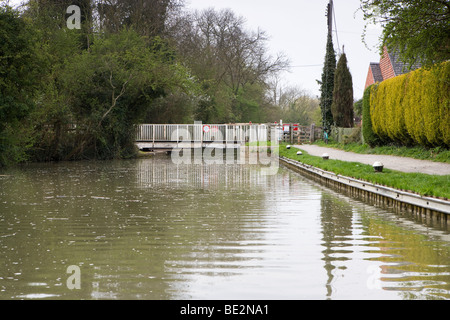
x: 150, y: 229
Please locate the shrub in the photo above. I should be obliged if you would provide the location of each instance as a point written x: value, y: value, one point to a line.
x: 413, y: 108
x: 369, y: 136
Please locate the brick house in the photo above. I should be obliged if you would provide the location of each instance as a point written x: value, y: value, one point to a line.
x: 390, y: 66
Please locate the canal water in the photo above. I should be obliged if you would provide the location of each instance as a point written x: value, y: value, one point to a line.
x: 152, y: 229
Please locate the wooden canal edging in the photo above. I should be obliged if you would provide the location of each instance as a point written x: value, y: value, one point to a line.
x: 432, y: 209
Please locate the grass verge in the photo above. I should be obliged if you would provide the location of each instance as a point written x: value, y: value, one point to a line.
x: 419, y: 183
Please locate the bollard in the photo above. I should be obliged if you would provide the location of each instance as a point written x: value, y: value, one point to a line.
x: 378, y: 166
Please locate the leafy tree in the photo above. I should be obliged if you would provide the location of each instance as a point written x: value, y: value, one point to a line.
x: 231, y: 63
x: 19, y: 72
x: 111, y: 88
x: 77, y: 94
x: 293, y: 104
x: 419, y: 30
x: 327, y: 85
x: 56, y: 46
x: 342, y: 106
x: 49, y: 17
x: 147, y: 17
x: 357, y: 107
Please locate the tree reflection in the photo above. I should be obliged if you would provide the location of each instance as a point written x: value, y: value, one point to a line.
x: 336, y: 218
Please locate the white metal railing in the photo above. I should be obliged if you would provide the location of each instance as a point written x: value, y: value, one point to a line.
x: 201, y: 132
x: 229, y: 133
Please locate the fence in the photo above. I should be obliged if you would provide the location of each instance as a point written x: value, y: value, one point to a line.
x: 197, y: 133
x: 293, y: 133
x: 237, y: 133
x: 347, y: 135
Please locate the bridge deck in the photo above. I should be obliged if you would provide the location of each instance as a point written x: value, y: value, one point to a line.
x: 142, y: 145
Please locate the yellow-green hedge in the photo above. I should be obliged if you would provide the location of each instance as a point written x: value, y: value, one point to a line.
x: 413, y: 108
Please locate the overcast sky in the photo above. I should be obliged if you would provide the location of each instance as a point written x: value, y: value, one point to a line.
x: 299, y: 29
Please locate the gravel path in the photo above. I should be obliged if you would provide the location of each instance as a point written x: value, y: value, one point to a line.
x: 391, y: 162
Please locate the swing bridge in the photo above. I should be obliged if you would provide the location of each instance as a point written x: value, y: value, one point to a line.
x: 151, y: 137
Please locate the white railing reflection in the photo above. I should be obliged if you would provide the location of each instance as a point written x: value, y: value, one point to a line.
x: 155, y: 172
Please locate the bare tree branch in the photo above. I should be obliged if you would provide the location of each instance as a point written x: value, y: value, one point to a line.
x: 113, y: 97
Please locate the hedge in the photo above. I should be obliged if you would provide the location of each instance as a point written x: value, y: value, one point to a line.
x: 369, y: 136
x: 413, y: 108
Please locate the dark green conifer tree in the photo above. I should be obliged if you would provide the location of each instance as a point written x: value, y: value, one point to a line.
x: 342, y: 106
x: 327, y: 85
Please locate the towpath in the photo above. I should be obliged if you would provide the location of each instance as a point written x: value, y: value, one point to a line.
x: 402, y: 164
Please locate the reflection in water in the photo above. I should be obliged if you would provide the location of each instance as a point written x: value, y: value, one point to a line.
x: 204, y: 176
x: 150, y: 229
x: 337, y: 224
x: 397, y: 254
